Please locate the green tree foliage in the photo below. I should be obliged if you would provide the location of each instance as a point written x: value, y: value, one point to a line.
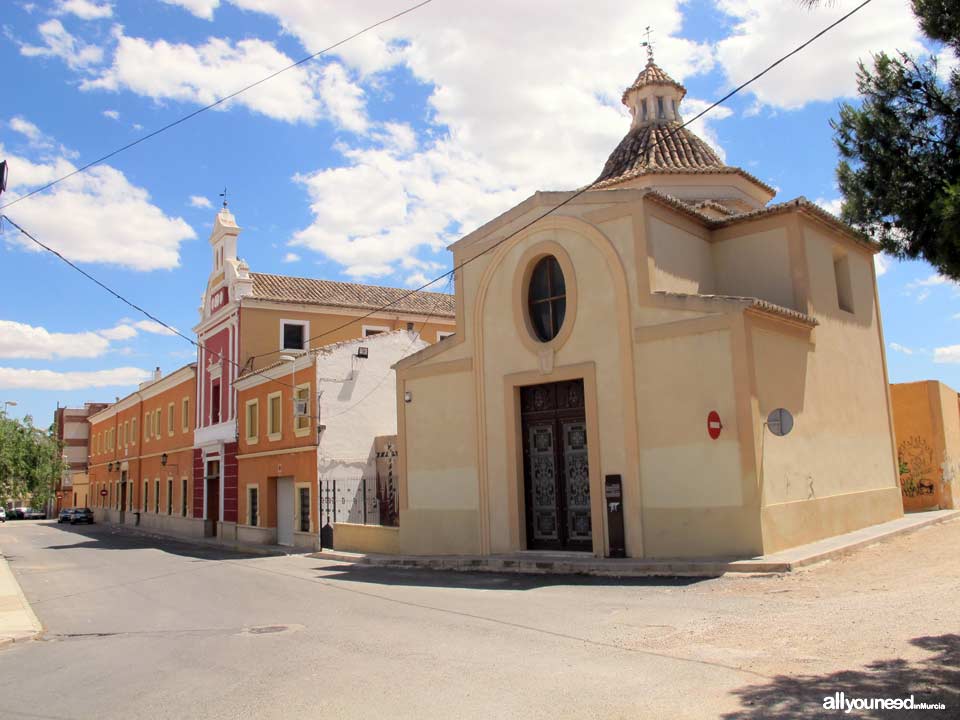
x: 900, y: 149
x: 31, y: 461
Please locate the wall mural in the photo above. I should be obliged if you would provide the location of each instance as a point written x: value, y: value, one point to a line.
x: 918, y: 471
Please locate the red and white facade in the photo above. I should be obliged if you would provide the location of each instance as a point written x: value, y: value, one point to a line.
x: 218, y: 365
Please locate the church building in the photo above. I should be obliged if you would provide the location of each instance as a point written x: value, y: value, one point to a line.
x: 617, y: 361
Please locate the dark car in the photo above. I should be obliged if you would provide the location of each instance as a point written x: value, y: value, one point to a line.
x: 82, y: 515
x: 16, y: 513
x: 34, y: 514
x: 66, y: 515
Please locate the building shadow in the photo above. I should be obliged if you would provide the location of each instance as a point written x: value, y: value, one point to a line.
x: 934, y: 679
x: 436, y: 578
x: 112, y: 537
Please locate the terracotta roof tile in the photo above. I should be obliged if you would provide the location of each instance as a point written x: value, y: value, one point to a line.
x: 653, y: 74
x: 312, y: 291
x: 749, y: 302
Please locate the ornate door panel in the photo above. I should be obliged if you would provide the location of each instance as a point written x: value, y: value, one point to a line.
x: 556, y: 472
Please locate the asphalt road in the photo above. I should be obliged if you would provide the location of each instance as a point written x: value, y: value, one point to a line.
x: 138, y: 627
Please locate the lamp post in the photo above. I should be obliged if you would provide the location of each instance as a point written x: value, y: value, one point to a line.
x: 11, y: 403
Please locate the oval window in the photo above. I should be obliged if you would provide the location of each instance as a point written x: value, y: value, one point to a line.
x: 547, y: 298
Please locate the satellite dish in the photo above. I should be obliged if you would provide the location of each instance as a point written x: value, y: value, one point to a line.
x: 780, y: 422
x: 3, y: 176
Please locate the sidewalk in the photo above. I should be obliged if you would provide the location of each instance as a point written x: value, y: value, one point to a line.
x: 17, y: 621
x: 583, y: 564
x: 230, y: 546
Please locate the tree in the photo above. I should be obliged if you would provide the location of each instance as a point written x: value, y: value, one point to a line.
x: 31, y: 461
x: 899, y: 171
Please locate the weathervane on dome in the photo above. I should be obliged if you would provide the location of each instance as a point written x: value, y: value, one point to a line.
x: 224, y: 196
x: 648, y: 45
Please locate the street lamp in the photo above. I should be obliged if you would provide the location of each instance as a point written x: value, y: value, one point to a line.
x: 11, y: 403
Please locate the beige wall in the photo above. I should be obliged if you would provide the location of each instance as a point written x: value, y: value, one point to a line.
x: 654, y: 366
x: 927, y: 422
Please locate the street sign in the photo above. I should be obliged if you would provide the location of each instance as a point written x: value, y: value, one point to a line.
x: 714, y: 426
x: 103, y: 492
x: 59, y: 496
x: 780, y: 422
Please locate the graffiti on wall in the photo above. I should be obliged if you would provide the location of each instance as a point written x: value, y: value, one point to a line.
x: 918, y: 471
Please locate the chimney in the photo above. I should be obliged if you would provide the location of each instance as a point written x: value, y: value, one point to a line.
x: 156, y: 374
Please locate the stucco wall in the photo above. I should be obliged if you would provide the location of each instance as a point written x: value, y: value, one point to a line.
x: 684, y: 261
x: 839, y: 457
x: 441, y: 465
x: 755, y: 265
x: 927, y: 423
x: 696, y: 492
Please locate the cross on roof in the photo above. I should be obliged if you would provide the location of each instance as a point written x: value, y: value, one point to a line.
x: 224, y: 196
x: 648, y: 44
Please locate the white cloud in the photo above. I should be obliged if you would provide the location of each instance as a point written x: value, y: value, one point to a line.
x: 765, y: 29
x: 201, y: 74
x: 703, y: 126
x: 98, y: 216
x: 881, y: 263
x: 540, y: 112
x: 291, y: 257
x: 198, y: 201
x: 59, y: 43
x: 19, y: 340
x: 901, y: 348
x: 947, y: 63
x: 27, y: 129
x: 85, y: 9
x: 831, y: 206
x: 119, y: 332
x: 24, y: 379
x: 201, y: 8
x: 112, y: 114
x: 342, y: 98
x: 152, y: 326
x: 947, y: 355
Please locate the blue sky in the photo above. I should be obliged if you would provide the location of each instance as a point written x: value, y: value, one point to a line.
x: 363, y: 165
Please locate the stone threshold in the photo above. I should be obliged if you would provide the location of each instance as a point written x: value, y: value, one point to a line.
x: 566, y: 563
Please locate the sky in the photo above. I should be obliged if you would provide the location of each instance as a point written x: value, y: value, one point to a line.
x: 363, y: 165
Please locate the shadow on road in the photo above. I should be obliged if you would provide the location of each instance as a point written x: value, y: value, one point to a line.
x: 419, y: 577
x: 111, y: 537
x: 935, y: 679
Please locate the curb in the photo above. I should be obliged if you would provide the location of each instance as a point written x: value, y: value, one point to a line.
x: 35, y: 629
x: 775, y: 564
x: 201, y: 542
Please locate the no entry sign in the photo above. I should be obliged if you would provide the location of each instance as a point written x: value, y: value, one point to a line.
x: 714, y: 426
x: 103, y: 492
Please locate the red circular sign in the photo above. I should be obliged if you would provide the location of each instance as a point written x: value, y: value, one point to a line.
x: 103, y: 492
x: 714, y: 426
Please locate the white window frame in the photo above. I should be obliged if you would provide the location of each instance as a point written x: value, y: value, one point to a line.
x: 274, y: 436
x: 305, y: 430
x: 251, y: 439
x: 376, y: 328
x: 306, y: 333
x: 444, y: 334
x: 133, y: 431
x: 185, y: 413
x: 171, y: 425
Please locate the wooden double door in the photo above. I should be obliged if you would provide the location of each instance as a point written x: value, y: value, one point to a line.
x: 555, y: 467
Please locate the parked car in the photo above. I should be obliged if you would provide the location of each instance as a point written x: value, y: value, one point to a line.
x: 16, y: 513
x: 3, y: 515
x: 66, y: 515
x: 82, y: 515
x: 34, y: 514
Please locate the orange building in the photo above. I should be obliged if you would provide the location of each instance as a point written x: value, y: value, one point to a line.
x: 289, y: 455
x: 141, y: 457
x: 926, y: 418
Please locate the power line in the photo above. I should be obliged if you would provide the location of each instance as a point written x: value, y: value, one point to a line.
x: 582, y: 190
x: 215, y: 103
x: 452, y: 271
